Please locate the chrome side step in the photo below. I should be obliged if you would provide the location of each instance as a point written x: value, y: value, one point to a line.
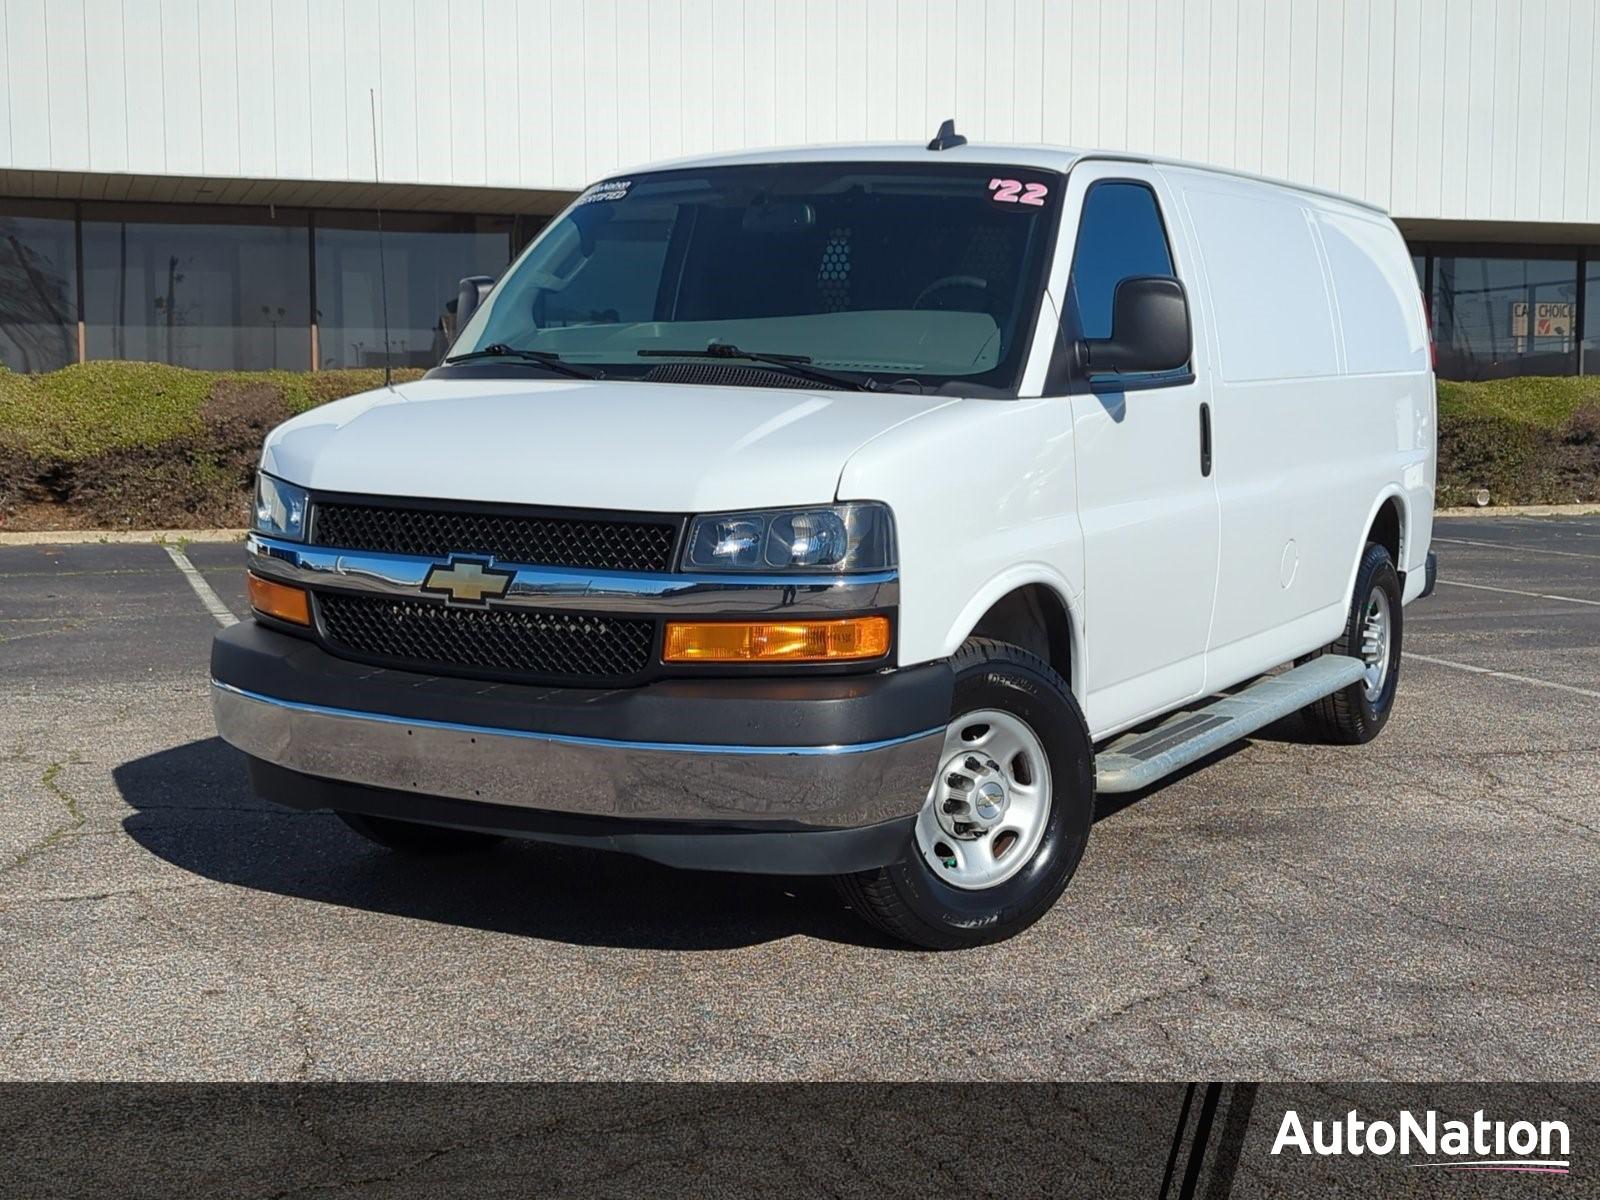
x: 1137, y: 760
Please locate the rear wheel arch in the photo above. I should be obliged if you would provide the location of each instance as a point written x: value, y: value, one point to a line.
x: 1388, y: 525
x: 1373, y: 632
x: 1387, y: 528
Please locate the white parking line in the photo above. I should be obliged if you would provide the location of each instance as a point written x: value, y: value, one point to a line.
x: 1515, y: 549
x: 1484, y: 587
x: 209, y: 598
x: 1468, y: 667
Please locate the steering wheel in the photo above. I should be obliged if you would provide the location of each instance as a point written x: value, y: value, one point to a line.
x: 950, y: 281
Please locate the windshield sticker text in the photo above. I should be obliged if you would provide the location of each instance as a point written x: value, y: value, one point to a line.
x: 1014, y: 191
x: 612, y: 189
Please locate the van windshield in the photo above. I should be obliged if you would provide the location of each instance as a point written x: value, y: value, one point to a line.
x: 882, y: 272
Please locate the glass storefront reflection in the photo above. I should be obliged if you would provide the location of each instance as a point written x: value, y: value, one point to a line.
x: 234, y: 287
x: 426, y: 258
x: 213, y: 287
x: 1499, y: 316
x: 38, y: 286
x: 1591, y: 315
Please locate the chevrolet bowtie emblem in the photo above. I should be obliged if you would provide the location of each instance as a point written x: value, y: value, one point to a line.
x: 468, y: 581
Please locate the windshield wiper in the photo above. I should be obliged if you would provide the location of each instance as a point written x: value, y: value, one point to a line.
x: 543, y: 358
x: 795, y: 364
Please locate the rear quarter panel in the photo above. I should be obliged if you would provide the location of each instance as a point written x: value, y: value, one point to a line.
x: 1323, y: 408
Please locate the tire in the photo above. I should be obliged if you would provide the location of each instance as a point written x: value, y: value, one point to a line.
x: 412, y: 837
x: 1356, y: 714
x: 910, y: 900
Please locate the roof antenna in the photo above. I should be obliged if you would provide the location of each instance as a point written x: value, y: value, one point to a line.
x: 947, y: 137
x: 383, y: 269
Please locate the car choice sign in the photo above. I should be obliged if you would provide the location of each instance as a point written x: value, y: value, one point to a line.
x: 1551, y: 318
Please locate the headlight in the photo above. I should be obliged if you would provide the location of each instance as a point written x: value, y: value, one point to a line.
x: 280, y: 508
x: 840, y: 537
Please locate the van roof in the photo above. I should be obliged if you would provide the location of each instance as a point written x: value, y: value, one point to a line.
x: 1050, y: 158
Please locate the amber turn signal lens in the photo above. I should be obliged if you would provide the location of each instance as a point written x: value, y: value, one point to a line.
x: 278, y: 599
x: 851, y: 638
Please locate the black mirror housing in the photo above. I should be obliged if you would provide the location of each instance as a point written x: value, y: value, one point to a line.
x: 1150, y: 329
x: 469, y: 295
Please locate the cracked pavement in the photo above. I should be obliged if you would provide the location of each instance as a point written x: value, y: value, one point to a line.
x: 1421, y: 908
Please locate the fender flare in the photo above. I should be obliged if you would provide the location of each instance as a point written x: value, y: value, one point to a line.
x: 1391, y: 491
x: 1007, y: 581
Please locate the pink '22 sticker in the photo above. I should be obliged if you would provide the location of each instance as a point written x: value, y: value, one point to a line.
x: 1014, y: 191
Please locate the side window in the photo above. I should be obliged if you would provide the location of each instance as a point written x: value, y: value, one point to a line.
x: 1119, y: 234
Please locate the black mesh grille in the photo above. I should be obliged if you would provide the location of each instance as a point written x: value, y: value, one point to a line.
x: 603, y: 545
x: 502, y: 641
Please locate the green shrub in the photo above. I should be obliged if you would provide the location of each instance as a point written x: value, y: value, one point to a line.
x: 88, y: 409
x: 1545, y: 401
x: 1583, y: 428
x: 1533, y: 440
x: 143, y: 445
x: 83, y: 410
x: 1486, y: 450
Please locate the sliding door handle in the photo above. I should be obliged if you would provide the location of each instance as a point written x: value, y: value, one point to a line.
x: 1205, y: 438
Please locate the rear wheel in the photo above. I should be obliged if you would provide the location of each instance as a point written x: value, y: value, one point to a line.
x: 412, y: 837
x: 1358, y: 713
x: 1005, y: 821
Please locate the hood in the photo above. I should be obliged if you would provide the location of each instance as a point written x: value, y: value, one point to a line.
x: 579, y: 444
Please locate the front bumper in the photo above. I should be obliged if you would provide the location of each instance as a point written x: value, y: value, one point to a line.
x: 764, y: 756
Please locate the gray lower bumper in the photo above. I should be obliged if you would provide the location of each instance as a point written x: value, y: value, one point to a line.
x: 837, y: 786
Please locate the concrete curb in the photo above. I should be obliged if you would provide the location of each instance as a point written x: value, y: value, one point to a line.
x: 1523, y: 510
x: 119, y: 537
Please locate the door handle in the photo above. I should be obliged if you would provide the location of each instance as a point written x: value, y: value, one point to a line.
x: 1205, y: 438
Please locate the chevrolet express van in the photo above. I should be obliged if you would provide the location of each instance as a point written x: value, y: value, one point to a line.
x: 857, y: 511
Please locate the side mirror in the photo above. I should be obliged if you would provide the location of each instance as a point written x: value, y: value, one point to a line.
x: 1149, y: 329
x: 472, y: 291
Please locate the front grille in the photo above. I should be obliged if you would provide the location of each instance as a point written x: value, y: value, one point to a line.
x: 597, y: 544
x: 536, y: 646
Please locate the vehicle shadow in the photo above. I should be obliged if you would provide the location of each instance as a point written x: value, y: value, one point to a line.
x: 1291, y: 730
x: 193, y: 807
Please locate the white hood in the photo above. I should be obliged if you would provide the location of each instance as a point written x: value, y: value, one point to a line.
x: 621, y: 445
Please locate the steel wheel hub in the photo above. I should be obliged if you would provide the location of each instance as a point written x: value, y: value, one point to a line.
x: 1377, y: 629
x: 990, y: 802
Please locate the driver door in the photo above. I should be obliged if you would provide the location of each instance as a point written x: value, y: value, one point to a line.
x: 1147, y: 496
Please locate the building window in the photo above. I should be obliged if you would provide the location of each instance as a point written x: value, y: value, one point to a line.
x: 211, y: 287
x: 38, y: 286
x: 427, y: 256
x: 1496, y: 316
x: 1590, y: 364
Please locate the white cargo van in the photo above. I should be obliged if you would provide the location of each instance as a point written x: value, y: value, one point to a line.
x: 859, y: 511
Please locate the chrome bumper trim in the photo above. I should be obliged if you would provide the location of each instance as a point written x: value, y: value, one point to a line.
x: 832, y: 786
x: 573, y: 590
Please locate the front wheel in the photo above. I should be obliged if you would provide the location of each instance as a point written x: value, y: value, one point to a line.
x: 1005, y: 822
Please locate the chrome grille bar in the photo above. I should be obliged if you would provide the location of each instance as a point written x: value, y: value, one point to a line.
x: 576, y: 590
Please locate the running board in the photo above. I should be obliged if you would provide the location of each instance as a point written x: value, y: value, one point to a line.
x: 1135, y: 761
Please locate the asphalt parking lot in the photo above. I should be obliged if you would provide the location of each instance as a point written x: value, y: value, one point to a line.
x: 1421, y: 908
